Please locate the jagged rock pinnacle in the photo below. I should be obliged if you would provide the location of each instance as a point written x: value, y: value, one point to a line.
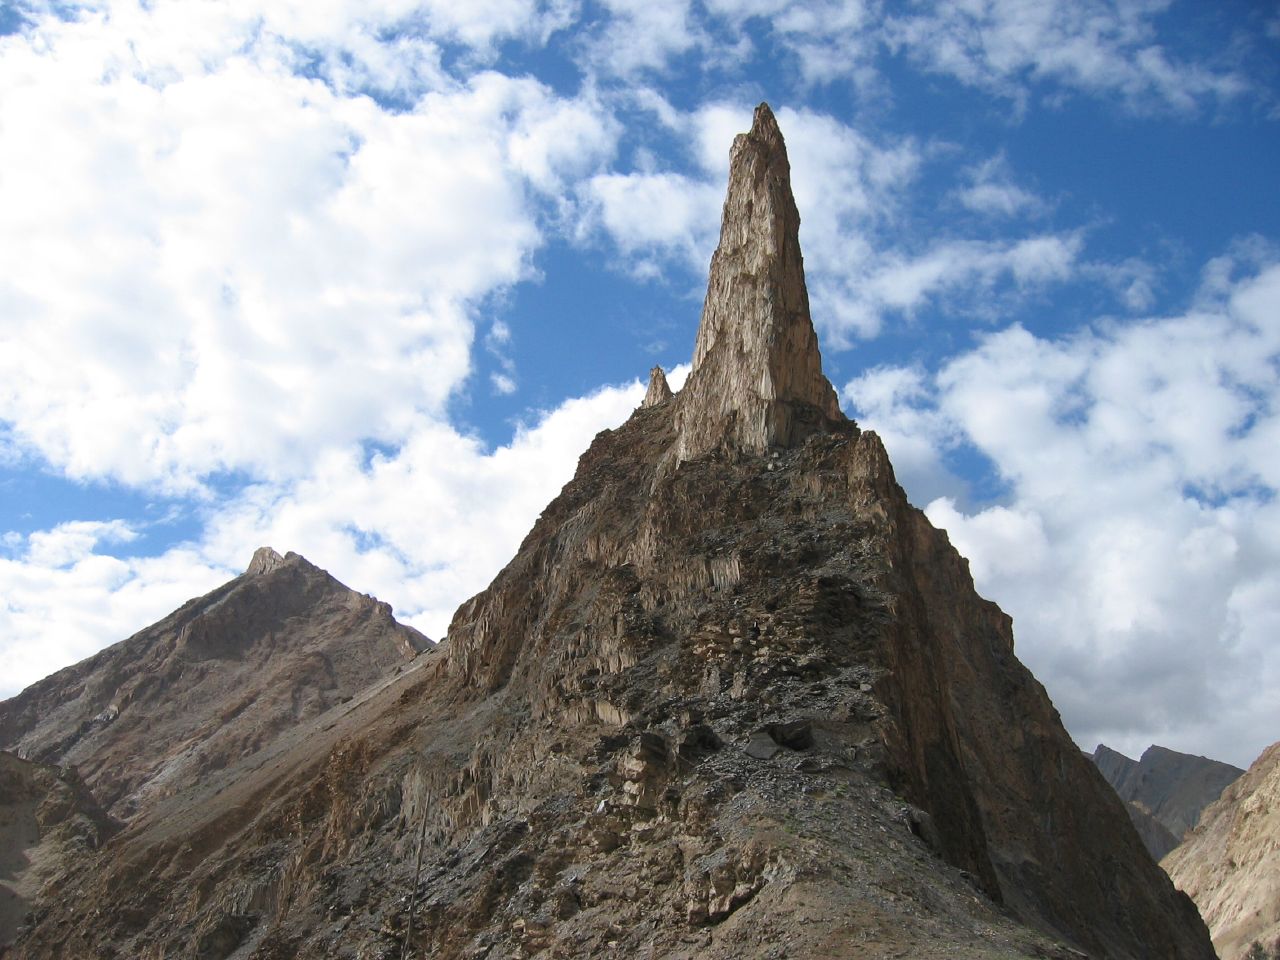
x: 757, y: 376
x: 659, y: 391
x: 264, y: 561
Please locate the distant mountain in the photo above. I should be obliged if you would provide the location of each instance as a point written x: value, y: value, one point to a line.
x: 1165, y: 790
x: 213, y: 682
x: 1230, y: 864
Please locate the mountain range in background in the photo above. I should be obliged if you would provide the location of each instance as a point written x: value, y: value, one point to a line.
x: 1165, y: 791
x: 734, y: 697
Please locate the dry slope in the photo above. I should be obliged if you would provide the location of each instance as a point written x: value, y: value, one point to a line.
x: 1230, y: 864
x: 214, y: 681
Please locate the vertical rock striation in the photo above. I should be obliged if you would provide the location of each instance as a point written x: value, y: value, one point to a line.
x: 757, y: 377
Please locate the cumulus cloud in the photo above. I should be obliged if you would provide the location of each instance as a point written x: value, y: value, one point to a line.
x: 1136, y: 542
x: 637, y: 35
x: 188, y: 252
x: 992, y: 191
x: 1010, y: 47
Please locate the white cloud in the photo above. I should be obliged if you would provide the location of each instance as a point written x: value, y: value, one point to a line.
x: 196, y: 238
x: 640, y: 35
x: 1136, y: 543
x: 951, y: 275
x: 422, y: 528
x: 992, y: 191
x: 1095, y: 47
x: 652, y: 215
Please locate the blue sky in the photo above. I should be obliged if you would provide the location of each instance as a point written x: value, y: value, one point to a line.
x: 361, y: 280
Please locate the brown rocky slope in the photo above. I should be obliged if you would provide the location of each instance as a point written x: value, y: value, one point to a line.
x: 1230, y: 864
x: 733, y: 697
x: 47, y: 817
x: 212, y: 682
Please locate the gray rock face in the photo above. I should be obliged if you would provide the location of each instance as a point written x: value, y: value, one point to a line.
x: 1168, y: 786
x: 264, y: 561
x: 757, y: 377
x: 46, y: 814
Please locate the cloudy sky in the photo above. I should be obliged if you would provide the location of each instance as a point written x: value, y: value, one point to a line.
x: 362, y: 279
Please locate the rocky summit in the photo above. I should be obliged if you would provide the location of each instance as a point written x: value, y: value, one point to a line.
x: 734, y: 697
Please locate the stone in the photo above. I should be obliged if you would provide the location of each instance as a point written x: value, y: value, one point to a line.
x: 757, y: 378
x: 673, y: 549
x: 264, y: 560
x: 1167, y: 786
x: 659, y: 391
x: 215, y: 681
x: 762, y: 746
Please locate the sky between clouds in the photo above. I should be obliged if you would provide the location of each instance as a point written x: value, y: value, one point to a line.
x: 361, y: 280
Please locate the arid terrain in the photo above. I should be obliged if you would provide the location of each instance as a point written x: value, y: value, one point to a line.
x: 1230, y: 864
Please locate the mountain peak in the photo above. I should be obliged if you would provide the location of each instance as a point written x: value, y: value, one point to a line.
x: 265, y: 559
x: 659, y: 391
x: 757, y: 376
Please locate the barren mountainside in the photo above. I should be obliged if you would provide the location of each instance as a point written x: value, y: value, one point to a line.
x: 1164, y: 789
x: 1230, y: 864
x: 214, y: 681
x: 47, y: 817
x: 734, y: 697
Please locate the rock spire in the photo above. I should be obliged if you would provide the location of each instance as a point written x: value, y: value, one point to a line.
x: 264, y: 560
x: 757, y: 376
x: 659, y: 391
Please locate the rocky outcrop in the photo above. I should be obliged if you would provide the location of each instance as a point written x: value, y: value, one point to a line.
x: 757, y: 378
x: 214, y: 681
x: 734, y: 697
x: 659, y: 391
x: 47, y: 817
x: 1230, y: 864
x: 1166, y: 787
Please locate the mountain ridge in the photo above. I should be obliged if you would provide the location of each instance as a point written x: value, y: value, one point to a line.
x: 1164, y: 791
x: 200, y: 685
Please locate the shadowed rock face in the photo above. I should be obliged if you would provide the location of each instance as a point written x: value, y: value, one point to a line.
x: 1230, y: 863
x: 734, y: 697
x: 210, y: 683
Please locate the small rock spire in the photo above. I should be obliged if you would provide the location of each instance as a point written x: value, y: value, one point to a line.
x: 264, y: 561
x: 757, y: 376
x: 659, y: 391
